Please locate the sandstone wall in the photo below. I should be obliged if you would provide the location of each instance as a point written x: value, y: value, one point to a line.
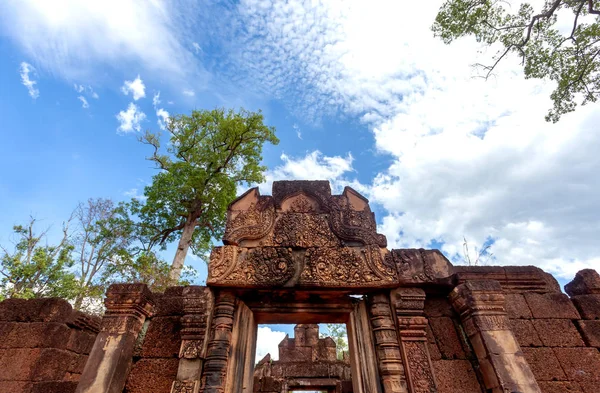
x: 156, y: 355
x: 44, y: 345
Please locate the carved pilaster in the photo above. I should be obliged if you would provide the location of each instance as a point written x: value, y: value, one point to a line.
x: 412, y: 329
x: 107, y: 368
x: 481, y: 308
x: 217, y: 351
x: 387, y: 347
x: 197, y: 308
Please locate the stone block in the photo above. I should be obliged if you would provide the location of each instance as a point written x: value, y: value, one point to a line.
x: 455, y: 376
x: 52, y: 364
x: 447, y: 338
x: 34, y: 335
x: 77, y: 365
x: 588, y: 306
x: 525, y: 333
x: 586, y: 282
x: 434, y: 351
x: 16, y: 387
x: 590, y: 330
x: 516, y: 306
x: 438, y: 307
x: 168, y: 305
x: 559, y: 387
x: 589, y: 387
x: 544, y: 364
x: 80, y: 341
x: 558, y: 333
x: 152, y: 376
x: 579, y: 364
x: 163, y: 338
x: 55, y: 387
x: 35, y: 310
x: 16, y: 364
x: 551, y: 305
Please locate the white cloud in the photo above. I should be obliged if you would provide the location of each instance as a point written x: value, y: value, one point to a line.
x: 88, y: 90
x: 267, y: 341
x: 27, y: 69
x: 134, y: 194
x: 130, y: 119
x: 84, y: 103
x: 313, y: 166
x: 469, y: 157
x: 189, y: 92
x: 297, y: 129
x: 74, y: 39
x: 135, y: 87
x: 197, y: 47
x: 156, y: 99
x: 163, y: 116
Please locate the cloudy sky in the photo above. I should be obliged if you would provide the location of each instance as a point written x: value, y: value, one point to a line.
x: 361, y: 94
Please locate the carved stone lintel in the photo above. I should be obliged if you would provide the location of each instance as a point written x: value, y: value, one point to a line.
x: 412, y: 325
x: 503, y: 365
x: 387, y: 346
x: 185, y: 387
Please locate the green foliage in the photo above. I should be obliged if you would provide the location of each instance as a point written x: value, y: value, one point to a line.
x: 35, y: 269
x: 147, y: 268
x: 209, y: 154
x: 570, y: 59
x: 337, y: 331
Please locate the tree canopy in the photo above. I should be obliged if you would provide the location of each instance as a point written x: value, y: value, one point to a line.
x: 210, y: 153
x: 569, y: 57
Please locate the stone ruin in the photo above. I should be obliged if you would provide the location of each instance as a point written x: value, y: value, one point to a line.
x: 305, y: 362
x: 416, y: 323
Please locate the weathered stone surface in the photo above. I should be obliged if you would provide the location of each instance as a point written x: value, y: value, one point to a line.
x: 55, y: 387
x: 152, y: 376
x: 34, y: 335
x: 558, y: 333
x: 516, y: 306
x: 588, y: 306
x: 438, y: 307
x: 560, y: 387
x: 16, y: 386
x: 162, y: 338
x: 525, y: 333
x: 590, y: 330
x: 579, y: 364
x: 448, y: 341
x: 551, y: 306
x: 544, y: 364
x: 419, y: 265
x: 35, y: 310
x: 167, y: 306
x: 455, y: 376
x: 586, y: 282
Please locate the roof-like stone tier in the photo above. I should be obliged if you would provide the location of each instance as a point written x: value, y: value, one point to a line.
x: 304, y: 237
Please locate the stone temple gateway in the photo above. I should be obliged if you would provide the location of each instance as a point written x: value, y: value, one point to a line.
x: 416, y: 323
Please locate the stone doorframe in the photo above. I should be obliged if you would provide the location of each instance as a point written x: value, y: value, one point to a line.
x: 230, y: 358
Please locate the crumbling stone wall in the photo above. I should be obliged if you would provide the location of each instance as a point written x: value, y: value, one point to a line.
x: 44, y: 345
x: 156, y: 355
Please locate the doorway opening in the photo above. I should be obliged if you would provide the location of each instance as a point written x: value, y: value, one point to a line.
x: 302, y: 358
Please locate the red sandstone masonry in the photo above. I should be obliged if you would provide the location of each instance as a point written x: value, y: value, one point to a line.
x: 44, y: 345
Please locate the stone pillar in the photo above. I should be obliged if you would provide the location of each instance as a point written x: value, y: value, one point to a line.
x: 198, y: 307
x: 387, y: 347
x: 217, y: 352
x: 412, y: 328
x: 107, y: 368
x: 484, y: 319
x: 363, y: 360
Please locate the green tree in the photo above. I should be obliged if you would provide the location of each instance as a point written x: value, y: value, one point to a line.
x: 209, y: 154
x: 571, y: 59
x: 100, y: 236
x: 337, y: 331
x: 36, y: 269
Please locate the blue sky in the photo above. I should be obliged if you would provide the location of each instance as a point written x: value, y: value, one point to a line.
x: 361, y: 94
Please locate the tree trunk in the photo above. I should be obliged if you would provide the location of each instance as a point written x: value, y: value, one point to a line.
x: 182, y: 249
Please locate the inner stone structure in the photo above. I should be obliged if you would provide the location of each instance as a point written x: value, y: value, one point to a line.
x: 305, y: 362
x: 416, y: 323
